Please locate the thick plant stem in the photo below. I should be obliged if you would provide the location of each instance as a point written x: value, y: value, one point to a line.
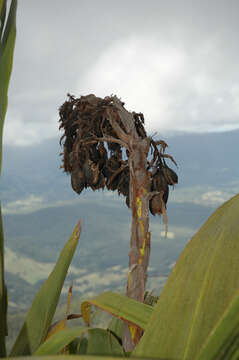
x: 138, y: 148
x: 140, y: 237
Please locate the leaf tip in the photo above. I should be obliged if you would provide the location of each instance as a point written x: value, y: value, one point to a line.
x: 78, y: 229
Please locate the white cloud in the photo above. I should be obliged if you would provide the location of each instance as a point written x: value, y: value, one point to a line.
x: 31, y: 270
x: 179, y: 69
x: 114, y: 276
x: 21, y: 133
x: 33, y: 203
x: 203, y: 195
x: 170, y: 234
x: 24, y: 206
x: 176, y: 88
x: 158, y: 232
x: 215, y: 197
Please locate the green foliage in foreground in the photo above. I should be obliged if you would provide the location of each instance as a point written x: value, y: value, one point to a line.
x: 7, y: 44
x: 41, y: 313
x: 198, y: 291
x: 196, y: 316
x: 223, y: 343
x: 116, y: 304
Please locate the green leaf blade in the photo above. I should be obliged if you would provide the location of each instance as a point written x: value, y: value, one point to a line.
x: 71, y: 357
x: 3, y: 294
x: 43, y: 308
x: 116, y: 326
x: 223, y: 342
x: 3, y: 8
x: 59, y: 341
x: 123, y: 308
x: 198, y: 291
x: 102, y: 342
x: 7, y: 46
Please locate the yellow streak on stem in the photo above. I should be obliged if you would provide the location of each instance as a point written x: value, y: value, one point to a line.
x: 139, y: 206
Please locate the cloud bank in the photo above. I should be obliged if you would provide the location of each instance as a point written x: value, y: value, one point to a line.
x: 176, y: 61
x: 177, y: 88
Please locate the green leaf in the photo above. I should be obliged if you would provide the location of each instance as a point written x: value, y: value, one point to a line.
x: 79, y: 346
x: 116, y: 327
x: 120, y: 306
x: 102, y: 342
x: 198, y: 291
x: 59, y: 340
x: 3, y: 8
x: 223, y: 342
x: 7, y: 45
x: 43, y: 308
x: 71, y: 357
x: 10, y: 25
x: 3, y: 294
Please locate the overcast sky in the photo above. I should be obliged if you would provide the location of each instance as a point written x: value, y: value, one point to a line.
x: 176, y: 61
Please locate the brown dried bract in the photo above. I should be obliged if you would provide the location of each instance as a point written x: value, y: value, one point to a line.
x: 97, y: 157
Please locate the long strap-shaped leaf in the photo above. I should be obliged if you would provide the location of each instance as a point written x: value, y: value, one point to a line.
x: 75, y: 357
x: 3, y: 295
x: 121, y: 306
x: 7, y: 44
x: 59, y: 340
x: 3, y: 9
x: 198, y: 291
x: 43, y: 308
x: 223, y: 342
x: 100, y: 342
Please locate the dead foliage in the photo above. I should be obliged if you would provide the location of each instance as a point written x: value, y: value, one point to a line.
x: 95, y: 155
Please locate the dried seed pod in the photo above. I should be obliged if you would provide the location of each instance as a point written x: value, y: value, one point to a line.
x: 112, y: 164
x: 107, y: 172
x: 95, y: 170
x: 103, y: 155
x: 170, y: 175
x: 123, y: 187
x: 91, y: 172
x: 113, y: 184
x: 156, y: 205
x: 77, y: 180
x: 159, y: 182
x: 94, y: 153
x: 100, y: 184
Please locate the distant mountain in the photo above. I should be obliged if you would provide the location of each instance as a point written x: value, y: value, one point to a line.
x: 104, y: 243
x: 40, y: 211
x: 203, y: 159
x: 206, y: 159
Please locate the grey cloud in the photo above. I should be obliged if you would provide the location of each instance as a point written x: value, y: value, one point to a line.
x: 59, y: 43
